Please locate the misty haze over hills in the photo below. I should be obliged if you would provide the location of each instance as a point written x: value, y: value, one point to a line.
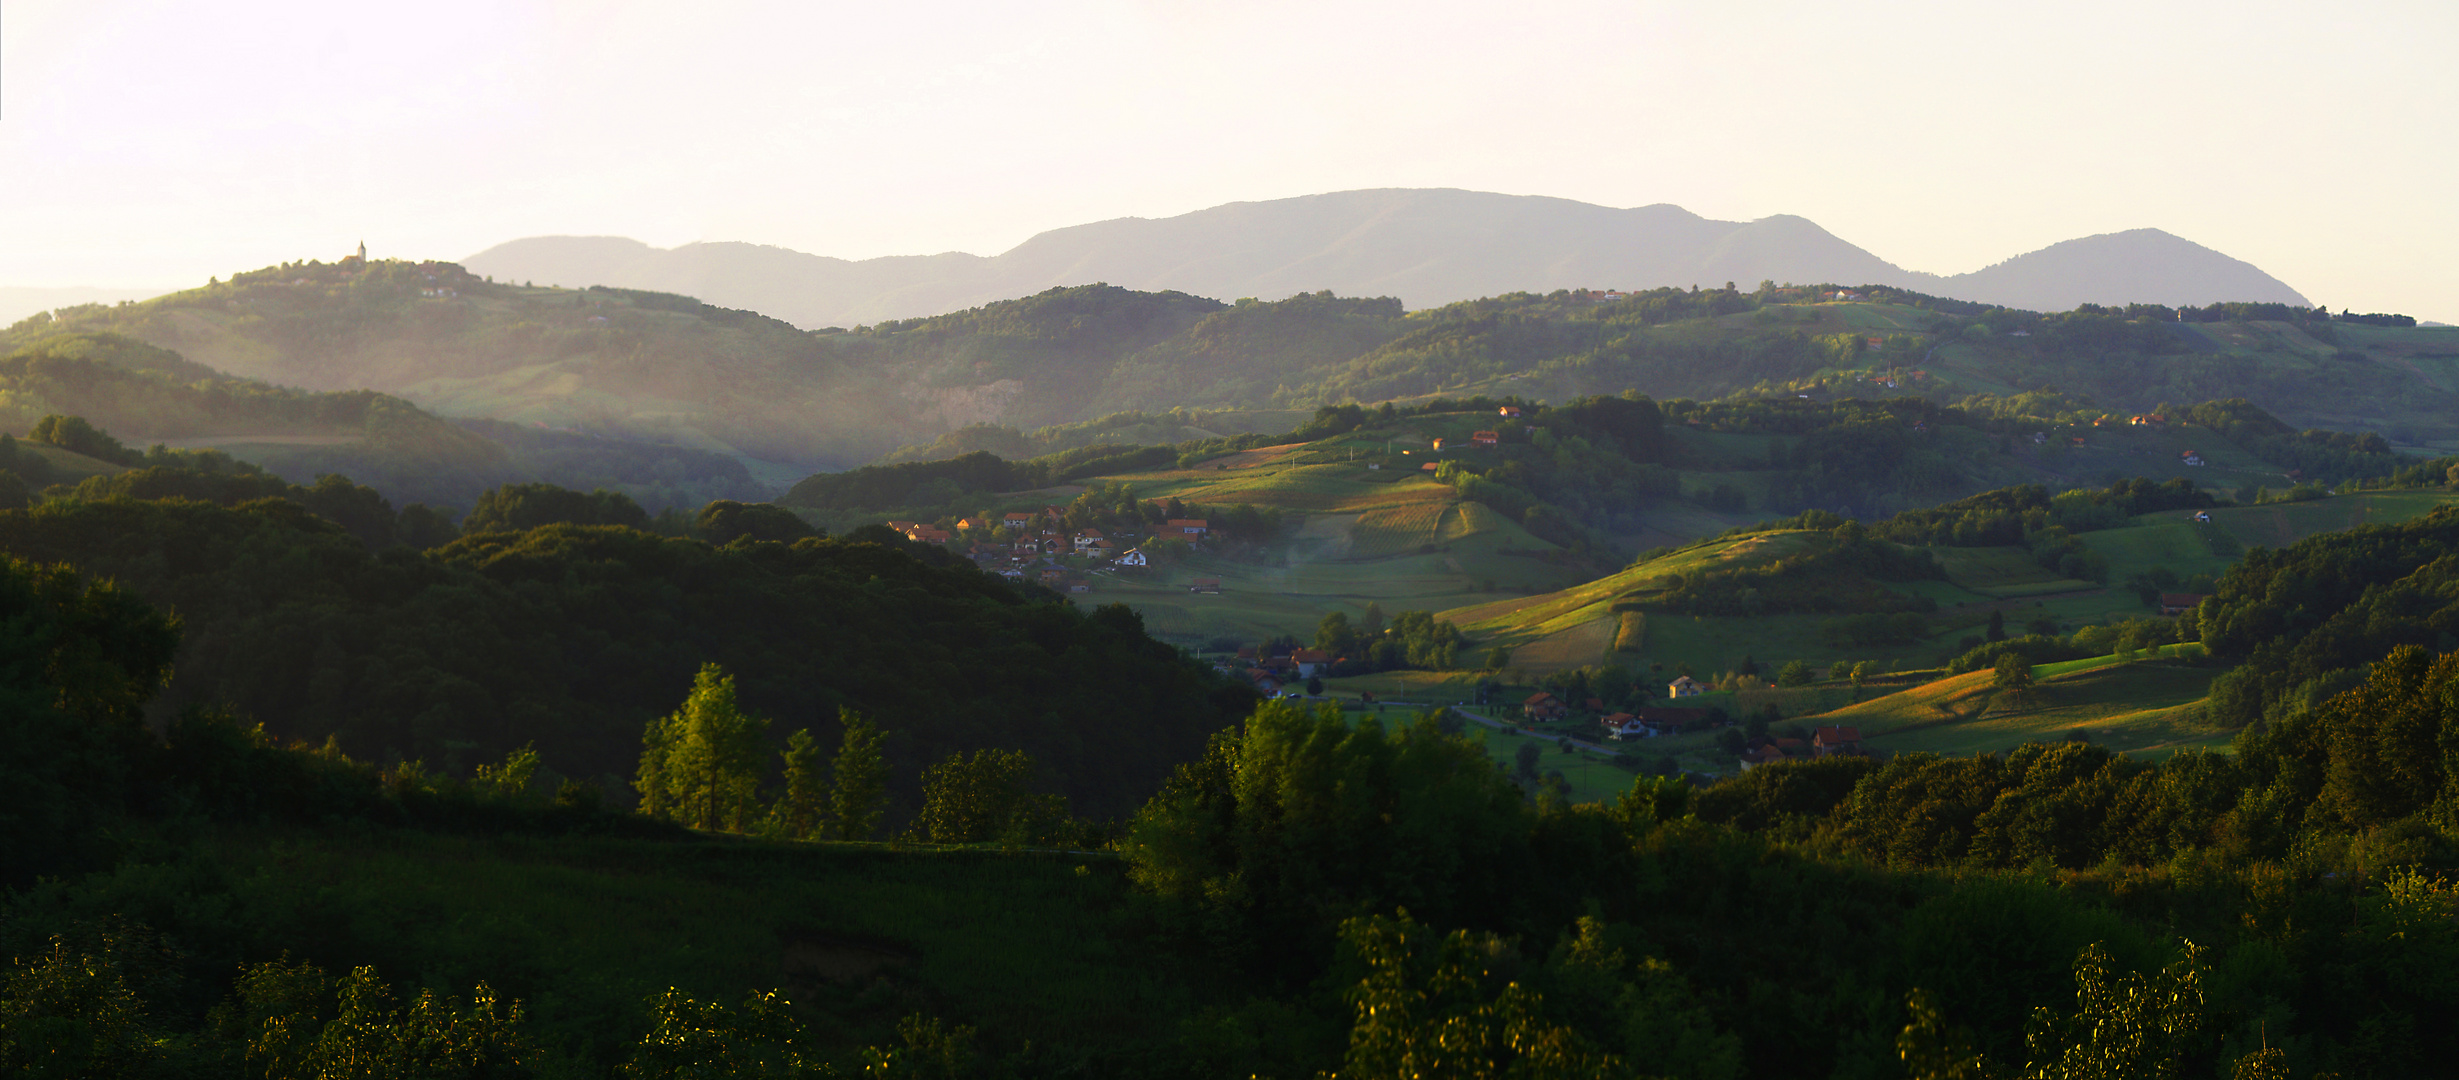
x: 1426, y: 246
x: 18, y: 302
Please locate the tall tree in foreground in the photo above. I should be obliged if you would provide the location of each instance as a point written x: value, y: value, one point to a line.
x: 701, y: 766
x: 859, y: 780
x: 802, y: 809
x: 967, y: 801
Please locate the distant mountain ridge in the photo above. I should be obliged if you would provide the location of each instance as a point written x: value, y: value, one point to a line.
x: 1427, y: 247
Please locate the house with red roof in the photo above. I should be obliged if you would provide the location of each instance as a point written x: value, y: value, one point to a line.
x: 1835, y: 740
x: 1544, y: 706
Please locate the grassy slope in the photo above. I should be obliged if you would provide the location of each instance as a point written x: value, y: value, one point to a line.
x: 1402, y: 541
x: 69, y: 467
x: 2140, y: 708
x: 1571, y: 627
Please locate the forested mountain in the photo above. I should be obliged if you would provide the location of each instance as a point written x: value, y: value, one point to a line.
x: 1428, y: 247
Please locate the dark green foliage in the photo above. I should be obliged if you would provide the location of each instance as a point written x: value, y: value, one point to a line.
x: 1429, y: 1005
x: 292, y: 1021
x: 988, y: 796
x: 1771, y: 794
x: 215, y: 478
x: 421, y: 526
x: 2030, y: 649
x: 75, y: 435
x: 79, y: 660
x: 1415, y: 639
x: 2330, y: 603
x: 2013, y: 674
x: 521, y: 507
x: 1299, y: 815
x: 690, y: 1039
x: 565, y: 636
x: 858, y: 780
x: 1633, y: 422
x: 724, y: 521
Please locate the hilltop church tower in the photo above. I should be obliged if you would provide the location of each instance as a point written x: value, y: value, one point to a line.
x: 362, y: 253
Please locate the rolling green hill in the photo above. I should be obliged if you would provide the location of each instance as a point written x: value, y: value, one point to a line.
x: 2144, y: 708
x: 671, y: 369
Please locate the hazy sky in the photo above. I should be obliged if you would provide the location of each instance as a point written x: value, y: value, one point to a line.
x: 151, y: 142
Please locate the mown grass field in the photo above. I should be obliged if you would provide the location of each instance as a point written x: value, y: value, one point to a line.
x: 2146, y: 708
x: 2277, y: 525
x: 1402, y: 541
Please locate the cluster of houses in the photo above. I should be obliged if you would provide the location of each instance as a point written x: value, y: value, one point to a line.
x: 1647, y: 723
x: 1823, y: 742
x: 1036, y: 540
x: 1270, y: 670
x: 1658, y: 721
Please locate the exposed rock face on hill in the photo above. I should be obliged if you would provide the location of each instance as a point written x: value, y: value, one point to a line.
x: 1426, y: 246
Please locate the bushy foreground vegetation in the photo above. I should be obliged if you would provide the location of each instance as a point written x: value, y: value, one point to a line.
x: 1310, y: 895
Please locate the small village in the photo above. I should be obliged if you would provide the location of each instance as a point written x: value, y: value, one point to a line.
x: 1038, y: 546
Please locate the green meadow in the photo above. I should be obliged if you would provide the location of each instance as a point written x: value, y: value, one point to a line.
x: 2143, y: 707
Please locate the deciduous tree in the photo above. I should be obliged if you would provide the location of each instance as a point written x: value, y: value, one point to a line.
x: 701, y: 766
